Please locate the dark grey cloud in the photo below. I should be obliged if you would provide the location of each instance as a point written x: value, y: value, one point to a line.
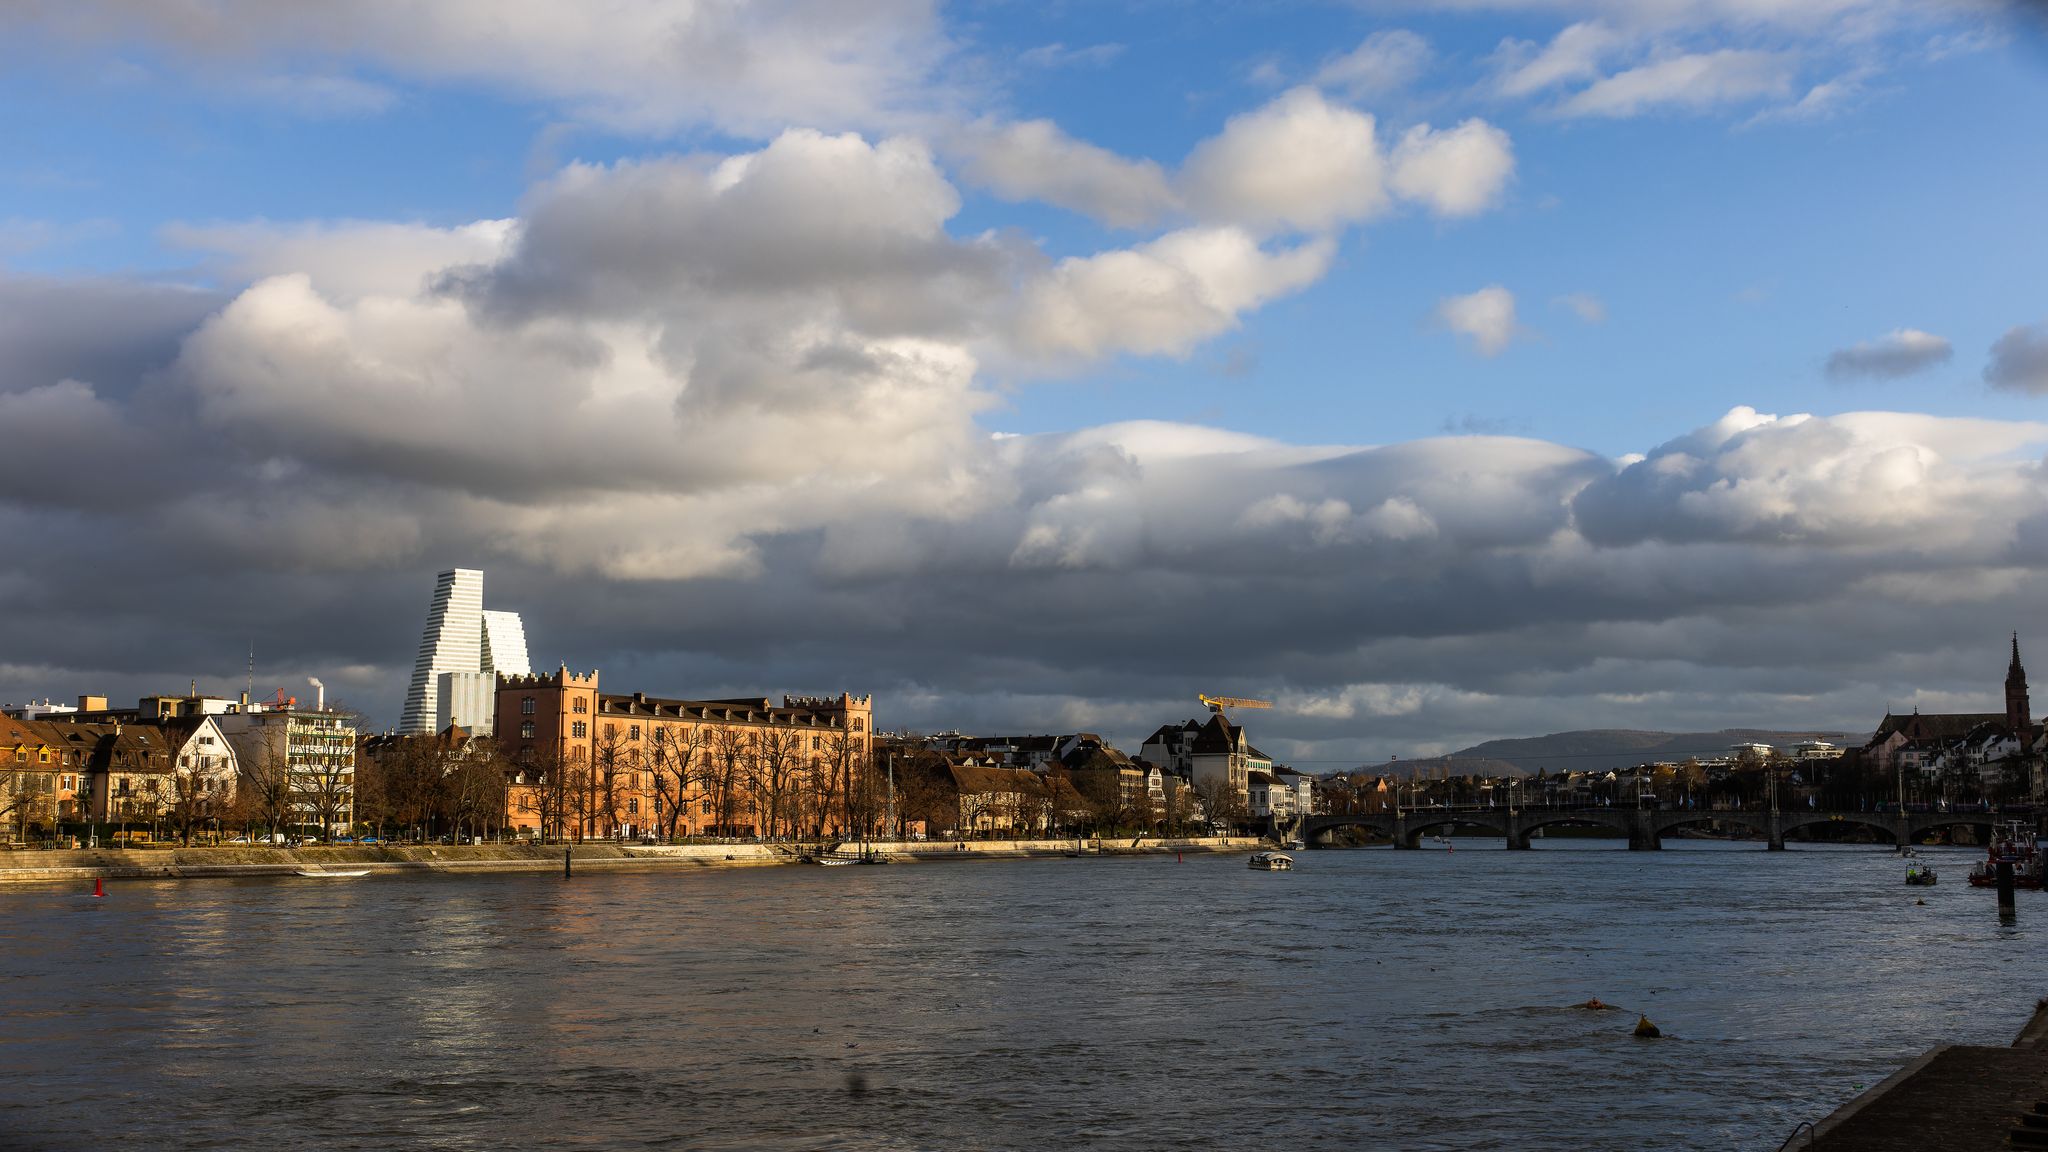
x: 1896, y: 354
x: 107, y: 333
x: 2019, y: 360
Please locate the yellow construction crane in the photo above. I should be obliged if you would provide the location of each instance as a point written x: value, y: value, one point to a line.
x: 1219, y: 703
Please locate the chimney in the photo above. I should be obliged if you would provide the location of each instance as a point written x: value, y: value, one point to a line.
x: 320, y: 699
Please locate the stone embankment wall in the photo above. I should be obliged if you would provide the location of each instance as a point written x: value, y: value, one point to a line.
x: 195, y: 863
x: 1015, y: 849
x: 199, y: 863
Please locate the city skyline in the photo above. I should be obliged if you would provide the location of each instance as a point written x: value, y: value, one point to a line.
x: 1440, y: 373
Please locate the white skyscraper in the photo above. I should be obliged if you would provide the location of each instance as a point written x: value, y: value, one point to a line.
x: 461, y: 653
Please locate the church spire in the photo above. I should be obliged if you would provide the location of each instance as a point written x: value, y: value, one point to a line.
x: 2019, y: 715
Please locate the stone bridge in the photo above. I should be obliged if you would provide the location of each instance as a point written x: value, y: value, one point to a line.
x: 1644, y: 827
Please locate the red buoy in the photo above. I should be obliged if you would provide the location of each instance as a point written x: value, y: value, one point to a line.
x: 99, y: 887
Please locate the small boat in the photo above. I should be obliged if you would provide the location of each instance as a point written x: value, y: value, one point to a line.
x: 345, y: 874
x: 2014, y: 846
x: 830, y: 861
x: 1272, y: 861
x: 1919, y: 875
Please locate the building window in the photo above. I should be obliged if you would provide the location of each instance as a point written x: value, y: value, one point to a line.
x: 633, y: 807
x: 817, y: 742
x: 526, y: 730
x: 633, y: 733
x: 526, y: 706
x: 857, y: 724
x: 580, y: 705
x: 579, y: 729
x: 611, y: 731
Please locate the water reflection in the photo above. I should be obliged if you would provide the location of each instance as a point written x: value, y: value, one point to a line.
x: 1410, y: 999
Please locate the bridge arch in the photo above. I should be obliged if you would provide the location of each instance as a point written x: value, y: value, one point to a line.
x: 1888, y: 825
x: 1665, y: 823
x: 1422, y: 825
x: 1985, y: 824
x: 1318, y: 829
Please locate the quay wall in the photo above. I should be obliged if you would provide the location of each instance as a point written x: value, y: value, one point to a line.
x: 930, y: 850
x: 73, y: 865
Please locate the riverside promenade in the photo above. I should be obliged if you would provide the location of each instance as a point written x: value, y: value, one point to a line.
x: 1955, y: 1097
x: 66, y: 866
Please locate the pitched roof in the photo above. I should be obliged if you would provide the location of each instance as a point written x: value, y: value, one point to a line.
x: 1217, y: 736
x: 1933, y: 725
x: 969, y: 778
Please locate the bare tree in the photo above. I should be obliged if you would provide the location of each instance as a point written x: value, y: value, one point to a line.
x: 611, y: 759
x: 192, y: 804
x: 27, y: 798
x: 267, y: 779
x: 731, y: 757
x: 674, y: 763
x: 780, y: 753
x: 553, y: 783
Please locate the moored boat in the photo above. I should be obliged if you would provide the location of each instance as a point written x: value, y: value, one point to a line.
x: 2014, y: 845
x: 345, y: 874
x: 1272, y: 861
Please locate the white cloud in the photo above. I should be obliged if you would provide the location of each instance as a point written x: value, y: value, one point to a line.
x: 642, y: 66
x: 1823, y: 101
x: 1034, y: 160
x: 1899, y: 353
x: 350, y: 258
x: 2019, y: 360
x: 1383, y: 62
x: 1694, y: 81
x: 1576, y: 53
x: 1299, y: 163
x: 1487, y: 316
x: 1303, y: 163
x: 1164, y: 296
x: 1058, y: 55
x: 1585, y: 306
x: 1459, y: 171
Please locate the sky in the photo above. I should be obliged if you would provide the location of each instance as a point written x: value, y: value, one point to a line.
x: 1440, y: 372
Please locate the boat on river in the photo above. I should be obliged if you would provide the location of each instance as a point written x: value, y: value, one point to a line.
x: 338, y: 874
x: 2015, y: 845
x: 1272, y: 861
x: 1919, y: 875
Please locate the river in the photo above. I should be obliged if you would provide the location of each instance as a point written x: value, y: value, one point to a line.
x: 1368, y: 999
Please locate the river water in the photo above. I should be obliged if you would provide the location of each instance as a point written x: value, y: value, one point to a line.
x: 1367, y: 999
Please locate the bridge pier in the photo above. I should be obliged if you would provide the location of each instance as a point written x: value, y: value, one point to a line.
x: 1518, y: 840
x: 1642, y: 832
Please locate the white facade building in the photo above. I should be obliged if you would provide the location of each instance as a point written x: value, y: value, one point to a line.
x: 463, y: 647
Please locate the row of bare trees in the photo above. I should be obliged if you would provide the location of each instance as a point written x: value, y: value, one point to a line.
x: 427, y: 786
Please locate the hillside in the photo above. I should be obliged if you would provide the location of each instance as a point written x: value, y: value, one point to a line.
x: 1599, y: 749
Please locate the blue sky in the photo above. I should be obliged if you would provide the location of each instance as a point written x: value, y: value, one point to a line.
x: 1646, y: 215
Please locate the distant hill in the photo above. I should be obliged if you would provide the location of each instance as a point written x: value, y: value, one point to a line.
x: 1599, y: 749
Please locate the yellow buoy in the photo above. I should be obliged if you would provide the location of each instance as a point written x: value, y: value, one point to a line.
x: 1646, y: 1030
